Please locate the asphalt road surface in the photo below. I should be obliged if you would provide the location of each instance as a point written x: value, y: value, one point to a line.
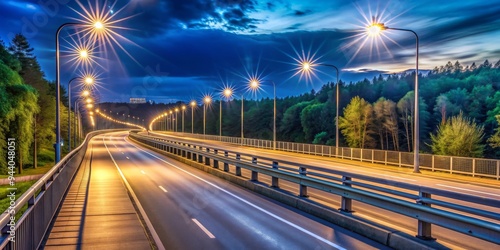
x: 190, y: 209
x: 445, y: 236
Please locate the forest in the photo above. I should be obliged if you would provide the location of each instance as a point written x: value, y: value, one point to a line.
x: 459, y: 113
x: 27, y: 107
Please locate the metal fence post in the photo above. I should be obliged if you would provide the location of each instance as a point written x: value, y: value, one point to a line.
x: 275, y: 180
x: 424, y: 228
x: 207, y: 159
x: 473, y: 167
x: 194, y: 154
x: 255, y: 174
x: 303, y: 188
x: 346, y: 203
x: 238, y: 169
x: 226, y: 165
x: 216, y: 162
x: 200, y: 157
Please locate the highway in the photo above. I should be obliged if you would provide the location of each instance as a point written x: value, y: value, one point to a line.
x: 405, y: 224
x: 190, y: 209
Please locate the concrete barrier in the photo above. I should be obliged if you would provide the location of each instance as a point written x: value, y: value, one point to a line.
x: 379, y: 233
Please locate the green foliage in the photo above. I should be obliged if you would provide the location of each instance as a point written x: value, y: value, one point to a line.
x: 459, y: 136
x: 494, y: 140
x: 320, y: 138
x: 355, y: 123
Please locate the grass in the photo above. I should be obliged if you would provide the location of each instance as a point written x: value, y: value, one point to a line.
x: 45, y: 163
x: 21, y: 188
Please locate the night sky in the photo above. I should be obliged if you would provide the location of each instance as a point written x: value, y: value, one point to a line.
x: 182, y: 49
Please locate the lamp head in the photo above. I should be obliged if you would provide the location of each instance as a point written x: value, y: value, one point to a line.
x: 89, y: 80
x: 254, y: 84
x: 306, y: 66
x: 193, y: 103
x: 98, y: 25
x: 375, y: 29
x: 228, y: 92
x: 207, y: 99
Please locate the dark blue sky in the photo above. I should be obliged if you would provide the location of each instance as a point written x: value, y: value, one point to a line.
x: 182, y: 49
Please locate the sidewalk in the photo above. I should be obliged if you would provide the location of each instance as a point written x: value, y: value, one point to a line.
x: 97, y: 212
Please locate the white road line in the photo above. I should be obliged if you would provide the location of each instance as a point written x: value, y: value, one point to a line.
x: 203, y: 228
x: 128, y: 158
x: 162, y: 188
x: 156, y: 238
x: 470, y: 190
x: 142, y: 171
x: 123, y: 153
x: 247, y: 202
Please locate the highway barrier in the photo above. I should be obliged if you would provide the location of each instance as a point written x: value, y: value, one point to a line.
x: 42, y: 201
x: 429, y: 206
x: 479, y: 167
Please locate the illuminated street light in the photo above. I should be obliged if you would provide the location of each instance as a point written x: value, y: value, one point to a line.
x: 376, y: 29
x: 308, y: 67
x: 193, y: 104
x: 227, y: 93
x: 254, y: 84
x: 58, y: 86
x: 206, y: 101
x: 176, y: 121
x: 183, y: 110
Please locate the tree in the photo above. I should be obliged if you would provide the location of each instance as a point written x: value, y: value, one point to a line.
x: 356, y: 122
x: 494, y: 140
x: 459, y: 136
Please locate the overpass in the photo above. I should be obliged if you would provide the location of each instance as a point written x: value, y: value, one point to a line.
x: 129, y: 195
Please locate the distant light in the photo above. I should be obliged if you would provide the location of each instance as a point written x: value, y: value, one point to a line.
x: 306, y: 66
x: 193, y: 103
x: 84, y: 53
x: 207, y: 99
x: 98, y: 25
x: 228, y: 92
x: 254, y: 84
x: 89, y: 80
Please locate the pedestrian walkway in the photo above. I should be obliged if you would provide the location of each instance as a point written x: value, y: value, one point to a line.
x: 97, y: 212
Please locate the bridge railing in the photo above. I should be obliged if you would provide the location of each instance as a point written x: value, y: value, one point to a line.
x: 479, y: 220
x: 450, y: 164
x: 42, y: 200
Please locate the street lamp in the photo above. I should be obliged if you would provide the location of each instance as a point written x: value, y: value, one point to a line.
x: 183, y: 110
x: 97, y: 25
x: 171, y: 120
x: 374, y: 30
x: 227, y: 93
x: 193, y: 104
x: 176, y: 121
x: 308, y: 67
x: 254, y: 84
x: 206, y: 101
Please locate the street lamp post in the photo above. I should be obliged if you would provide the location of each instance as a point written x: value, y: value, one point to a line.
x: 193, y: 104
x: 242, y: 113
x: 374, y: 29
x: 176, y: 121
x: 183, y: 110
x: 87, y: 80
x: 206, y: 101
x: 97, y: 25
x: 227, y: 93
x: 255, y: 84
x: 306, y: 66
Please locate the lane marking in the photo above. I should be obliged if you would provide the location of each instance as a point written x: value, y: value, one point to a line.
x: 164, y: 190
x: 123, y: 153
x: 210, y: 235
x: 470, y: 190
x: 291, y: 224
x: 128, y: 158
x: 142, y: 171
x: 156, y: 238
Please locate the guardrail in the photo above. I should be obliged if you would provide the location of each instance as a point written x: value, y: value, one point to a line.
x: 42, y: 201
x: 414, y: 201
x: 451, y: 164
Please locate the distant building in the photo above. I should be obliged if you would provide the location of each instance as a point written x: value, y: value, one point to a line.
x: 137, y: 100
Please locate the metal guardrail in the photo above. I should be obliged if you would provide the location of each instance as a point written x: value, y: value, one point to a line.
x: 450, y: 164
x: 42, y: 201
x: 413, y: 201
